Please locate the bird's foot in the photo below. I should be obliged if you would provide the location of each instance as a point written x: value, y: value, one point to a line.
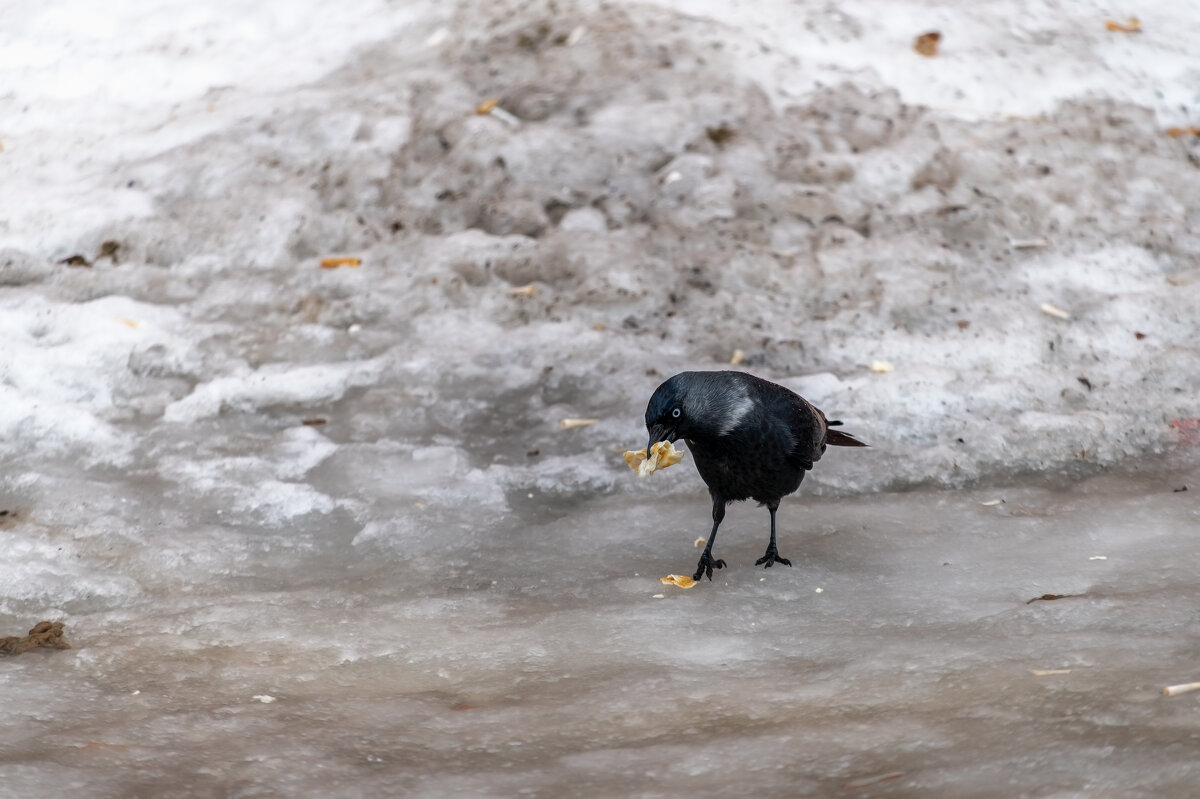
x: 707, y: 564
x: 771, y: 558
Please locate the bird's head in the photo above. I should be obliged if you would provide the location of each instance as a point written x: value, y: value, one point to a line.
x: 696, y: 405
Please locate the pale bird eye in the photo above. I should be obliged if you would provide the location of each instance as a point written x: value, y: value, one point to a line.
x: 675, y: 413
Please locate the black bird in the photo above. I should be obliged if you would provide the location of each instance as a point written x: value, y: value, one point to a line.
x: 751, y: 439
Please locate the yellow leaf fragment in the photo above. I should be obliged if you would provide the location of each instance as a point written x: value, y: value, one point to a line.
x: 1048, y: 672
x: 699, y: 542
x: 662, y: 455
x: 737, y: 357
x: 334, y: 263
x: 681, y: 580
x: 1134, y: 25
x: 881, y: 367
x: 523, y: 291
x: 487, y: 106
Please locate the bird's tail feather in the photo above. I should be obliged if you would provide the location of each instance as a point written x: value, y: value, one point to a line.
x: 836, y: 438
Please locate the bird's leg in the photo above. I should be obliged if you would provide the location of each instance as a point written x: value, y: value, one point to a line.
x: 772, y: 555
x: 707, y: 564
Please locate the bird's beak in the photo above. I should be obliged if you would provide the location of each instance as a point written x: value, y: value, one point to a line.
x: 659, y: 433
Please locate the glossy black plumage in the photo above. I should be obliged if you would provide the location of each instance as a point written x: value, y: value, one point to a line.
x: 750, y: 439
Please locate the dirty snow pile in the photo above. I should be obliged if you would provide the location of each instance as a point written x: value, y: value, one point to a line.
x: 976, y: 293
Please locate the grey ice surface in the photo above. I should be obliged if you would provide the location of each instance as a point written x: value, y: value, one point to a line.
x: 531, y: 655
x: 318, y: 532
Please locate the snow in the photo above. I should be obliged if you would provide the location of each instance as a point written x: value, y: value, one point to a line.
x: 236, y: 474
x: 273, y: 384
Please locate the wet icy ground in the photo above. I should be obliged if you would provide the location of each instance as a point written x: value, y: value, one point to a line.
x: 530, y: 655
x: 237, y: 476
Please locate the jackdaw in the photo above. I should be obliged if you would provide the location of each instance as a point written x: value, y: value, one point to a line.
x: 751, y: 439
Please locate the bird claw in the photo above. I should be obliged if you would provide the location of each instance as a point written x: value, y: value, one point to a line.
x: 771, y: 558
x: 707, y: 564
